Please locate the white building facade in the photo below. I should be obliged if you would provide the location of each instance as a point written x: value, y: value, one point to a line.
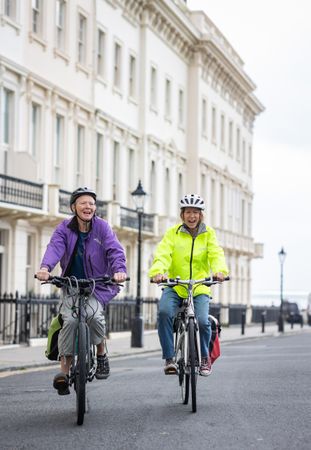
x: 102, y: 93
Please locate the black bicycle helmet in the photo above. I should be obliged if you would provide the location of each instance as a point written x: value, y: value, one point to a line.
x: 81, y: 191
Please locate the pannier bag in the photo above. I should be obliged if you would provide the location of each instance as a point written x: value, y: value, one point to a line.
x: 51, y: 351
x: 214, y: 345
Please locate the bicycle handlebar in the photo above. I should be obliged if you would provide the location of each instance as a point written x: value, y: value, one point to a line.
x: 81, y: 282
x: 177, y: 281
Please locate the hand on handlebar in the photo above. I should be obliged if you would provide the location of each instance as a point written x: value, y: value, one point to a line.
x: 219, y: 276
x: 43, y: 274
x: 159, y: 278
x: 119, y: 277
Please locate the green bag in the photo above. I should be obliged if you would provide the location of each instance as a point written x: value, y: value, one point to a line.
x: 51, y: 351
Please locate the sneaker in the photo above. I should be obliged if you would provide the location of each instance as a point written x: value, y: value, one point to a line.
x: 206, y: 367
x: 170, y: 367
x: 103, y: 369
x: 61, y: 383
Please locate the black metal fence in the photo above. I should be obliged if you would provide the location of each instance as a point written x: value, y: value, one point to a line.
x: 23, y: 318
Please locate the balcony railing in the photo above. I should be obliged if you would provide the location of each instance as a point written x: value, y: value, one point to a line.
x: 64, y: 204
x: 129, y: 218
x: 21, y: 192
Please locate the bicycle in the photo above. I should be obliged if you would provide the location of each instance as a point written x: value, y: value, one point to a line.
x: 187, y: 338
x: 83, y: 365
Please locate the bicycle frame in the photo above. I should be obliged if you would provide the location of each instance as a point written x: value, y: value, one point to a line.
x: 186, y: 311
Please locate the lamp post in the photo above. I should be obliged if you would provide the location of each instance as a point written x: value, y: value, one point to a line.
x: 138, y: 323
x: 282, y: 256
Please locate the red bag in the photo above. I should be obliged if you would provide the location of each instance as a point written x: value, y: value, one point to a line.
x: 214, y: 345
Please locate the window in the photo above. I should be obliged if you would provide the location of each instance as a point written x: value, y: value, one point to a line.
x: 99, y: 162
x: 222, y: 206
x: 60, y: 23
x: 222, y: 132
x: 167, y: 192
x: 115, y: 172
x: 153, y: 88
x: 180, y: 186
x: 153, y: 188
x: 80, y: 154
x: 231, y: 138
x: 213, y: 202
x: 10, y: 9
x: 81, y: 39
x: 6, y: 127
x: 132, y: 77
x: 117, y: 66
x: 36, y: 16
x: 214, y: 125
x: 249, y: 219
x: 243, y: 217
x: 180, y: 107
x: 204, y: 117
x: 167, y: 98
x: 7, y: 116
x: 59, y: 147
x: 101, y: 42
x: 238, y: 143
x: 250, y: 162
x: 131, y: 171
x: 203, y: 184
x: 35, y: 129
x: 243, y: 156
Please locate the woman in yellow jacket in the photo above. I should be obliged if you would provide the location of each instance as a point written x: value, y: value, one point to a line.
x: 189, y: 250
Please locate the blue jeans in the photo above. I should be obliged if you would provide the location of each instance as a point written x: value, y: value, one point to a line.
x: 169, y: 303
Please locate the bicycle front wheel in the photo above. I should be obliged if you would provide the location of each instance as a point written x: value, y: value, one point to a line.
x: 192, y: 361
x: 80, y: 375
x: 183, y: 376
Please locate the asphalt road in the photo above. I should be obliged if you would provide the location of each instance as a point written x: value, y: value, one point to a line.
x: 258, y: 397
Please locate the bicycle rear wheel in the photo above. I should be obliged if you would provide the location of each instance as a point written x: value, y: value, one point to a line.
x: 80, y: 373
x: 183, y: 377
x: 192, y: 360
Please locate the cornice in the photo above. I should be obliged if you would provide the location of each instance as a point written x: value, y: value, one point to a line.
x: 176, y: 31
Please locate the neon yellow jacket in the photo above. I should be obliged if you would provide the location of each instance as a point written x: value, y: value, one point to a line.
x: 180, y: 254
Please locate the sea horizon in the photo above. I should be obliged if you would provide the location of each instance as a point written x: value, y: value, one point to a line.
x: 273, y: 298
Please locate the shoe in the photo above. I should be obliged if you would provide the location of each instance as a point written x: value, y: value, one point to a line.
x: 170, y: 367
x: 61, y: 383
x: 206, y: 367
x: 103, y: 369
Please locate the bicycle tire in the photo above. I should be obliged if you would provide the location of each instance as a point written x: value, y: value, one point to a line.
x: 183, y: 377
x: 192, y: 360
x: 81, y: 373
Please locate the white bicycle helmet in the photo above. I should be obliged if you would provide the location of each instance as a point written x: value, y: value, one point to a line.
x: 192, y: 201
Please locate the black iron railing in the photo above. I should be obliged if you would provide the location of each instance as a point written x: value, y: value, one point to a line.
x: 129, y: 218
x: 21, y: 192
x: 23, y: 318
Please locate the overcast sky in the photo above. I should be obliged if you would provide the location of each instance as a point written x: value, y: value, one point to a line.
x: 273, y: 38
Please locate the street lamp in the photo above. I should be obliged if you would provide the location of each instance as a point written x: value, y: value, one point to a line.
x: 282, y: 256
x: 138, y: 323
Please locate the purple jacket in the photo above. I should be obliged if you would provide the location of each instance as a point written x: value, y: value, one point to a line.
x: 103, y: 253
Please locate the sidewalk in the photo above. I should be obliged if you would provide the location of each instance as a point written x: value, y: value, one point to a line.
x: 20, y: 357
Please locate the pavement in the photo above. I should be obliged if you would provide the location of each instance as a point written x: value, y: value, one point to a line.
x: 21, y: 357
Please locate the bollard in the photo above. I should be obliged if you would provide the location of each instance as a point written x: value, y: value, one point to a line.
x: 301, y: 321
x: 243, y: 323
x: 263, y: 321
x: 292, y: 320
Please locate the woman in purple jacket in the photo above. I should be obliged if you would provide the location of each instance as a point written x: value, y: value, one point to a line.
x: 86, y: 247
